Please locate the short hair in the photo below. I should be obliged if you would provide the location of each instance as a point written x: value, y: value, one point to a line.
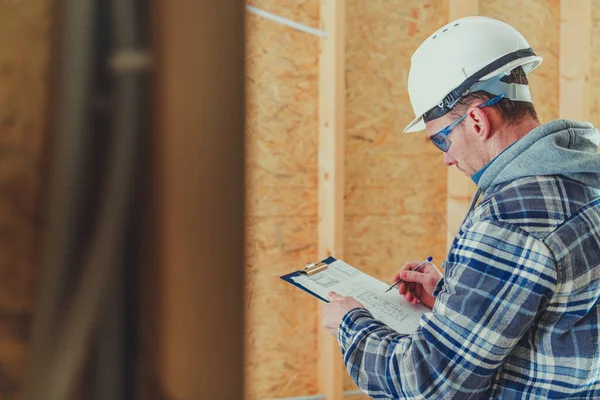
x: 510, y: 111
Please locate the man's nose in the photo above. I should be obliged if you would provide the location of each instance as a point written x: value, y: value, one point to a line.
x: 448, y: 160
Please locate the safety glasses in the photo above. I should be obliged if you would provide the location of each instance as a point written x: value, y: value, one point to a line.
x: 441, y: 139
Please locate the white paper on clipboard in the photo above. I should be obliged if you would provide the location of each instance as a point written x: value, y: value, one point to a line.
x: 390, y: 308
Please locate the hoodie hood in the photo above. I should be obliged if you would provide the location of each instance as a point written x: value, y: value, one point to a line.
x: 560, y: 147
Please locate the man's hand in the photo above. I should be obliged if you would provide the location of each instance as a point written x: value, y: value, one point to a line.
x: 334, y: 311
x: 418, y: 286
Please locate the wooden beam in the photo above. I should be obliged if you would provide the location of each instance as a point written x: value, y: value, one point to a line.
x: 574, y: 59
x: 460, y: 188
x: 462, y: 8
x: 332, y: 95
x: 199, y: 160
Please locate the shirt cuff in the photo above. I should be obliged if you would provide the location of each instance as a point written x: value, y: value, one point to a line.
x: 354, y: 321
x: 438, y: 287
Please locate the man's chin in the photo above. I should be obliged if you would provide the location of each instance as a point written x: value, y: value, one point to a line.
x: 465, y: 173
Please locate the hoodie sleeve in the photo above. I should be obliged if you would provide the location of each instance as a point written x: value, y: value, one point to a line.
x: 497, y: 279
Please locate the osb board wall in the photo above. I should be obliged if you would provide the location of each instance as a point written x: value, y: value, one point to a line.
x: 539, y: 22
x: 24, y: 53
x: 594, y: 79
x: 282, y: 137
x: 395, y: 182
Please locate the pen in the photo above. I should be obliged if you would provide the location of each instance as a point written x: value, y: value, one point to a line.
x: 417, y: 268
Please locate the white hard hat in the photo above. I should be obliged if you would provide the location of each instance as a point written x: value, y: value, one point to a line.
x: 458, y: 56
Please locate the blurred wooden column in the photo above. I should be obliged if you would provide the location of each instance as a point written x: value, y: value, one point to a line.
x: 199, y: 159
x: 574, y: 59
x: 460, y: 188
x: 332, y: 96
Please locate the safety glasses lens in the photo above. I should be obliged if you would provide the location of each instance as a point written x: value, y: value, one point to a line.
x: 440, y: 141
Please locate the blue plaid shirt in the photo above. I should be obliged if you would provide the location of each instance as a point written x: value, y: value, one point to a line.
x: 516, y: 313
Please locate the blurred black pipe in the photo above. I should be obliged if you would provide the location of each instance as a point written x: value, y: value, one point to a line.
x: 84, y: 335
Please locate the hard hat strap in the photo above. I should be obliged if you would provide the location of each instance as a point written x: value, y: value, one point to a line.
x: 453, y: 97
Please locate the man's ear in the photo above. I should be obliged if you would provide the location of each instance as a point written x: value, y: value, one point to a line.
x: 480, y: 123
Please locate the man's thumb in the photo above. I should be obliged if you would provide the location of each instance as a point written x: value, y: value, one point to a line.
x: 333, y: 296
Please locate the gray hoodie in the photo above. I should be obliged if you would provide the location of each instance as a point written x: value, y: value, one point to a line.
x: 559, y: 147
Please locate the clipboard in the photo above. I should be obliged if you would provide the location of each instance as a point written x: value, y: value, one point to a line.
x: 331, y: 274
x: 309, y: 270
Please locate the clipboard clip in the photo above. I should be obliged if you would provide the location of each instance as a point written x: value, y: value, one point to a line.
x: 313, y: 268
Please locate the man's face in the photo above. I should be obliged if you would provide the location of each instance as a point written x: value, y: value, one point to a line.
x: 465, y: 151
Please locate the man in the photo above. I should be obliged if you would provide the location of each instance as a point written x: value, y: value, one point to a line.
x: 516, y: 312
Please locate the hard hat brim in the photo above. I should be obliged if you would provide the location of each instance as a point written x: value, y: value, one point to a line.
x: 528, y: 64
x: 415, y: 125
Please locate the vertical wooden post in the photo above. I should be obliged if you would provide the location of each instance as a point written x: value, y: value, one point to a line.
x: 460, y: 188
x: 199, y: 156
x: 574, y: 60
x: 331, y: 172
x: 462, y: 8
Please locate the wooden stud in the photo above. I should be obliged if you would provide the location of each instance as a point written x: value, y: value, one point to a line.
x: 460, y: 188
x: 462, y: 8
x: 574, y: 59
x: 331, y: 172
x: 199, y: 145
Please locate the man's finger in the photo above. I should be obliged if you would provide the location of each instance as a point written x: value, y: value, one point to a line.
x: 417, y: 277
x: 406, y: 267
x: 402, y: 288
x: 333, y: 296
